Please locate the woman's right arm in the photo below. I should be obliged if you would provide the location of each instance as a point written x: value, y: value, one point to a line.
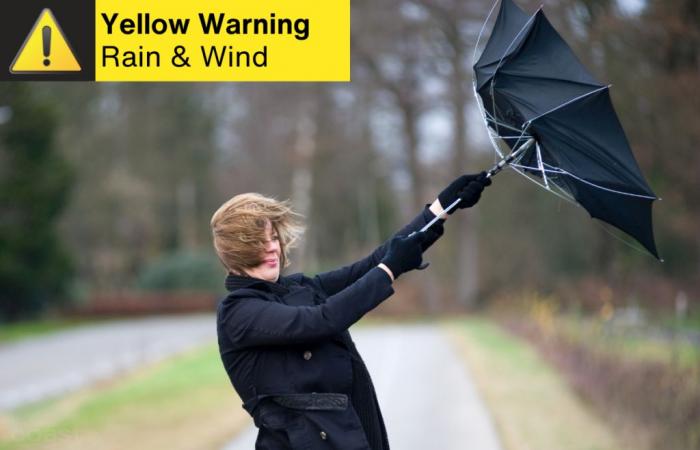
x: 254, y: 321
x: 251, y: 321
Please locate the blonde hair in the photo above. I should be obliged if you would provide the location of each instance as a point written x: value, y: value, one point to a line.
x: 238, y: 229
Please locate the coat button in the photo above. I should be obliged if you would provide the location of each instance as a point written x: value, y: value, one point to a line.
x: 307, y: 355
x: 324, y: 436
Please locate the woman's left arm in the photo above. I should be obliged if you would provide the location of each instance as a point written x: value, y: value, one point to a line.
x: 467, y: 188
x: 336, y: 280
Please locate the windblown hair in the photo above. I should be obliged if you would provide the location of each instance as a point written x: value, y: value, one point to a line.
x: 238, y: 228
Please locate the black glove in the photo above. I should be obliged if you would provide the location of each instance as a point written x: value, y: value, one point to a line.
x: 466, y: 187
x: 404, y: 253
x: 431, y: 235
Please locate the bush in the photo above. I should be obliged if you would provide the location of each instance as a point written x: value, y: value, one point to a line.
x: 183, y: 271
x: 634, y: 394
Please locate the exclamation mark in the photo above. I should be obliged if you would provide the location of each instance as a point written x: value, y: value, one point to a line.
x: 46, y: 35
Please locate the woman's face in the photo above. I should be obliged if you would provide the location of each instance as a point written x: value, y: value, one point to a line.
x: 269, y: 269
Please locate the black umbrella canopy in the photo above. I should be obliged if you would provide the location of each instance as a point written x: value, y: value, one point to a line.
x: 532, y: 85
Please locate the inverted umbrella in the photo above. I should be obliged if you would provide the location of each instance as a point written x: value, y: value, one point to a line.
x: 557, y: 123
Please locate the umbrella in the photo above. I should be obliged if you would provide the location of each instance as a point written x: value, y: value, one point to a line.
x: 552, y: 121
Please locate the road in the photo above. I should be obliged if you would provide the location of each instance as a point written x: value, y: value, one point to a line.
x: 50, y: 365
x: 425, y: 391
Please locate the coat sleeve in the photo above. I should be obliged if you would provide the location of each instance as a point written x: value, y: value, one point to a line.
x: 336, y: 280
x: 251, y: 321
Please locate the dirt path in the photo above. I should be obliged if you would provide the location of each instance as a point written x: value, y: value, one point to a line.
x: 425, y: 391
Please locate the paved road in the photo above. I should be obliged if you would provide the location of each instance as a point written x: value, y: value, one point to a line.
x: 427, y: 396
x: 50, y: 365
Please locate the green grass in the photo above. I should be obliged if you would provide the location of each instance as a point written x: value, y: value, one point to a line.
x: 175, y: 391
x: 690, y: 323
x: 531, y: 405
x: 10, y: 332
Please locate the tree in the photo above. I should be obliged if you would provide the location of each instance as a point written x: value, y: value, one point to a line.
x: 34, y: 188
x: 454, y: 23
x: 143, y: 153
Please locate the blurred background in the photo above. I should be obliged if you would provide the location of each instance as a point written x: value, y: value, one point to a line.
x: 106, y: 191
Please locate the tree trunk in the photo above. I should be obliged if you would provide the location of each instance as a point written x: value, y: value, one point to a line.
x: 467, y: 241
x: 302, y: 178
x: 410, y: 125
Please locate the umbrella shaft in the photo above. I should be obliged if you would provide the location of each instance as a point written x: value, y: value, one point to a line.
x: 494, y: 170
x: 509, y: 159
x: 436, y: 218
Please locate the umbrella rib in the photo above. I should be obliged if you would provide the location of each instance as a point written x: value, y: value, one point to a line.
x: 566, y: 172
x: 628, y: 243
x: 517, y: 138
x: 517, y: 143
x: 558, y: 170
x: 563, y: 194
x: 514, y: 149
x: 568, y: 102
x: 483, y: 27
x: 551, y: 169
x: 541, y: 166
x: 484, y: 113
x: 501, y: 124
x: 550, y: 78
x: 498, y: 123
x: 493, y: 104
x: 513, y: 42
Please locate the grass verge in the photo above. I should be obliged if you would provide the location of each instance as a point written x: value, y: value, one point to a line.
x: 643, y: 392
x: 183, y: 403
x: 531, y: 405
x: 10, y: 332
x: 641, y: 345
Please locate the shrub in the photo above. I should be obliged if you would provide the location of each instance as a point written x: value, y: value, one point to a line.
x: 183, y: 271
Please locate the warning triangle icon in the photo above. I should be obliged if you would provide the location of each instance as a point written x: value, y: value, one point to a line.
x: 46, y: 49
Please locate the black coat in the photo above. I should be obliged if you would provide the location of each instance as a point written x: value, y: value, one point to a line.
x: 286, y: 345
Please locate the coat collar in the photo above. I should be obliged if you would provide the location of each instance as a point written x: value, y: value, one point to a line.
x: 234, y: 282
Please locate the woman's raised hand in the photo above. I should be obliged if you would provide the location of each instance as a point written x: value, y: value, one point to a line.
x: 466, y: 187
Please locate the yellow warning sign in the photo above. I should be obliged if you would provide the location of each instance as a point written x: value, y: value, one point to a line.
x: 46, y: 49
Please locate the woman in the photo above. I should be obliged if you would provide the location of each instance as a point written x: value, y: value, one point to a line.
x: 284, y: 340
